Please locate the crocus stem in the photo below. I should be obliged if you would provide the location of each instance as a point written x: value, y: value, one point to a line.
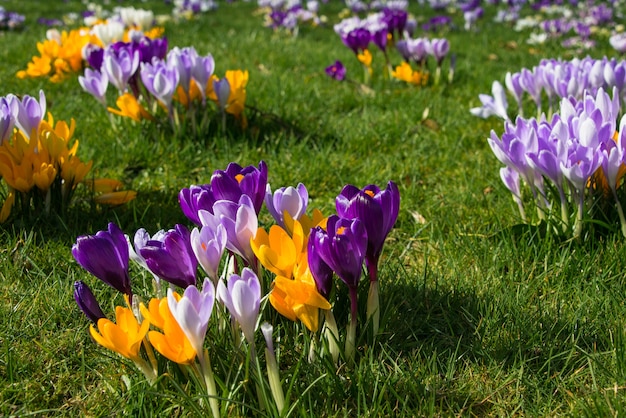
x: 578, y: 226
x: 564, y: 211
x: 151, y: 357
x: 351, y: 334
x: 274, y: 380
x: 145, y: 368
x: 209, y: 380
x: 373, y: 311
x: 332, y: 334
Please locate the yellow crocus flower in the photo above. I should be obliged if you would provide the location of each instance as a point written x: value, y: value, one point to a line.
x: 404, y: 72
x: 172, y: 343
x: 129, y: 107
x: 299, y: 299
x: 44, y: 176
x: 365, y: 58
x: 277, y: 251
x: 237, y: 100
x: 124, y: 336
x: 73, y: 170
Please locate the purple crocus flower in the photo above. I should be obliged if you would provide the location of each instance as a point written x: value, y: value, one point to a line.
x: 161, y: 80
x: 87, y: 302
x: 231, y: 183
x: 342, y: 246
x: 242, y: 297
x: 30, y: 112
x: 120, y: 65
x: 378, y: 30
x: 105, y: 255
x: 221, y: 88
x: 321, y: 272
x: 239, y: 219
x: 495, y: 105
x: 513, y: 85
x: 193, y: 312
x: 439, y: 48
x: 202, y: 71
x: 8, y: 110
x: 395, y: 20
x: 292, y: 200
x: 357, y: 40
x: 195, y: 198
x: 183, y: 60
x: 208, y: 245
x: 140, y: 240
x: 377, y: 210
x: 172, y: 259
x: 94, y: 55
x: 510, y: 178
x: 95, y: 83
x: 336, y: 71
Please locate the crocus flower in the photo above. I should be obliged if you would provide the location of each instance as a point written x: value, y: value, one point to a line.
x: 183, y: 60
x: 298, y: 298
x: 377, y: 210
x: 277, y: 251
x: 242, y: 297
x: 236, y: 180
x: 95, y: 83
x: 240, y: 222
x: 321, y: 272
x: 119, y: 66
x: 342, y: 246
x: 129, y: 107
x: 195, y: 198
x: 172, y: 259
x: 193, y: 311
x: 289, y: 199
x: 202, y: 71
x: 87, y: 302
x: 161, y: 80
x: 30, y: 112
x: 208, y: 245
x: 336, y: 71
x: 172, y: 343
x: 124, y: 336
x: 221, y: 87
x: 8, y: 110
x: 105, y: 255
x: 140, y: 240
x: 495, y: 105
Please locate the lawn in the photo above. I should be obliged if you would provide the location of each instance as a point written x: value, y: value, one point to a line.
x: 481, y: 314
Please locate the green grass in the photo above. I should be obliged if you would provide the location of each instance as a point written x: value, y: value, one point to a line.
x: 480, y: 316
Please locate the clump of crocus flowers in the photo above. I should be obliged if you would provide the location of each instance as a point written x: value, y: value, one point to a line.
x: 287, y: 15
x: 390, y: 29
x: 574, y: 161
x: 238, y: 264
x: 154, y: 83
x: 554, y: 80
x: 63, y: 52
x: 39, y: 167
